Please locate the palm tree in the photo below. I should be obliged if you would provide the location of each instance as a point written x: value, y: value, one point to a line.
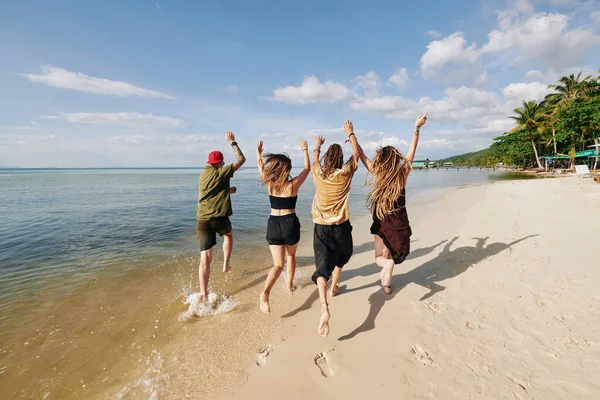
x: 569, y: 87
x: 530, y: 118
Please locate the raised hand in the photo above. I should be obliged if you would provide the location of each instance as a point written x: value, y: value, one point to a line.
x: 259, y: 147
x: 348, y: 127
x: 232, y: 190
x: 319, y: 140
x: 230, y: 137
x: 421, y: 120
x: 303, y: 145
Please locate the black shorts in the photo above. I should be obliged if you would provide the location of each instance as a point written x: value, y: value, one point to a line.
x: 283, y: 229
x: 333, y: 248
x: 207, y: 231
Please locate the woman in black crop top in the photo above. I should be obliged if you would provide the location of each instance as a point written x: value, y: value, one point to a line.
x: 283, y: 227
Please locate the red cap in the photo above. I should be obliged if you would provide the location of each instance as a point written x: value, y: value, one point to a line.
x: 215, y: 157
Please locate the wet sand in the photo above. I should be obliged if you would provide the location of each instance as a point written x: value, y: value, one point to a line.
x: 498, y: 300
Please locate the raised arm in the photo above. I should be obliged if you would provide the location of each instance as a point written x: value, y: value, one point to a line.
x: 259, y: 159
x: 299, y: 180
x: 317, y: 153
x: 239, y: 156
x: 365, y: 160
x: 349, y: 129
x: 410, y: 156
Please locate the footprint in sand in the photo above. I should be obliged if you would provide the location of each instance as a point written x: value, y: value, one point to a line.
x: 323, y: 364
x: 422, y: 356
x: 261, y: 359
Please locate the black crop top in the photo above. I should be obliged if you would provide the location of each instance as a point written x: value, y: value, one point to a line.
x: 283, y: 203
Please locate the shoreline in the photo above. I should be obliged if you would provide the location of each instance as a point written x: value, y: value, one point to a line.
x: 507, y: 313
x: 127, y: 339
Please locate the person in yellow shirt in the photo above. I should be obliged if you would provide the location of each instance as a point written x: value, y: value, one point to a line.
x: 332, y: 237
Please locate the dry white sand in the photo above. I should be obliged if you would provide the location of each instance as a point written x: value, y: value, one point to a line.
x: 498, y: 300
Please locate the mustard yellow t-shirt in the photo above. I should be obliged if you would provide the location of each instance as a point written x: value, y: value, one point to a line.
x: 330, y: 205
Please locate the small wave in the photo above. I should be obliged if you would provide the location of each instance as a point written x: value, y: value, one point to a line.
x: 151, y: 383
x: 216, y: 304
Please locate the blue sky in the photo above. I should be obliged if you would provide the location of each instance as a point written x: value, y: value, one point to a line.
x: 157, y: 83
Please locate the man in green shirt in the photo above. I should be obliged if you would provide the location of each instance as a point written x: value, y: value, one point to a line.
x: 214, y: 209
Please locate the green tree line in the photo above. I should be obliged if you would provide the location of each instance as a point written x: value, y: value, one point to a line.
x: 564, y: 122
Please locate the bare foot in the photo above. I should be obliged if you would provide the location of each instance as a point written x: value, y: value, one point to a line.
x: 291, y: 289
x: 324, y: 322
x: 334, y: 290
x: 226, y: 268
x: 264, y: 303
x: 203, y: 298
x: 386, y: 277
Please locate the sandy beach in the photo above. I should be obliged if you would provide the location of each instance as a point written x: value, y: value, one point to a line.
x: 498, y: 300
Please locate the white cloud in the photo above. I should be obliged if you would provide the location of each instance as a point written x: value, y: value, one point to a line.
x: 452, y: 58
x: 596, y: 17
x: 553, y: 75
x: 49, y: 117
x: 369, y: 82
x: 516, y: 93
x: 61, y: 78
x: 313, y: 91
x: 434, y: 34
x: 542, y: 38
x: 125, y: 119
x: 400, y: 79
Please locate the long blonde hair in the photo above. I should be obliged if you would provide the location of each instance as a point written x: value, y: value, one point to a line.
x: 387, y: 176
x: 276, y: 172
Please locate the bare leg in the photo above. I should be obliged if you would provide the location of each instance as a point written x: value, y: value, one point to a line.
x: 204, y: 273
x: 278, y: 254
x: 227, y: 249
x: 383, y: 258
x: 291, y: 265
x: 335, y: 279
x: 323, y: 328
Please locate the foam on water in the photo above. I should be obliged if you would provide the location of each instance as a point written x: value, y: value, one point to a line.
x: 150, y: 383
x: 216, y: 304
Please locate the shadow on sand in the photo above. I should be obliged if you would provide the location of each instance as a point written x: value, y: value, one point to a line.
x: 448, y: 264
x: 367, y: 270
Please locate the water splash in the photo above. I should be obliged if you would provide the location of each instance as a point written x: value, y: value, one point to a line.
x: 216, y: 304
x: 151, y: 383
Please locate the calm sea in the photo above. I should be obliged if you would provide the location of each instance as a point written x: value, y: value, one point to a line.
x: 96, y: 265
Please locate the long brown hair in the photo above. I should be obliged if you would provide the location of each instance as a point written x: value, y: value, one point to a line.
x: 387, y: 177
x: 276, y: 171
x: 332, y: 159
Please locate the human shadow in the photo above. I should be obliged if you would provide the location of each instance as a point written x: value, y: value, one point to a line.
x: 373, y: 268
x: 367, y: 270
x: 448, y: 264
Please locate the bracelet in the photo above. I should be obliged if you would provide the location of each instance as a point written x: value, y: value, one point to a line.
x: 416, y: 132
x: 304, y: 149
x: 352, y: 134
x: 316, y: 149
x: 234, y: 143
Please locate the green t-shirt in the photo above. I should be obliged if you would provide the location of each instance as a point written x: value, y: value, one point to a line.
x: 214, y: 200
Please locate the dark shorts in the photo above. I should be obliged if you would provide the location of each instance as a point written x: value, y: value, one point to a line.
x: 207, y: 231
x: 283, y: 229
x: 333, y: 248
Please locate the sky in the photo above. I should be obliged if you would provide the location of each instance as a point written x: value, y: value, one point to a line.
x: 146, y: 83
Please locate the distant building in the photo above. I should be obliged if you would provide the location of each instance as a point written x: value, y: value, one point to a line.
x: 420, y: 164
x: 448, y: 164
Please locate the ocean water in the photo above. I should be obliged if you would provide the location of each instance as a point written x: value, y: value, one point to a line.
x: 98, y: 279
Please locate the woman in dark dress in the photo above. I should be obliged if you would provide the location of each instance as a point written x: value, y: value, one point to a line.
x: 389, y: 170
